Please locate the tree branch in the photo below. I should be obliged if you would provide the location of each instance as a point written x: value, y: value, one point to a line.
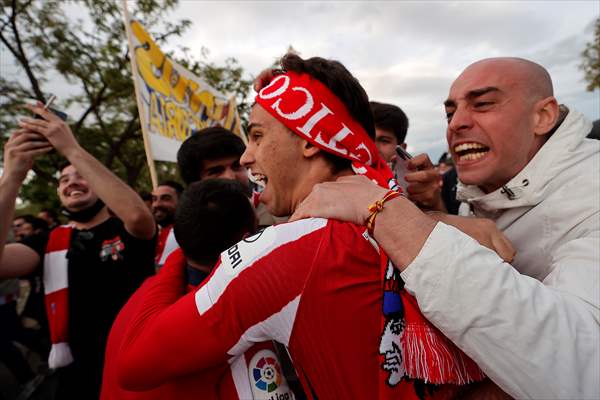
x: 22, y: 56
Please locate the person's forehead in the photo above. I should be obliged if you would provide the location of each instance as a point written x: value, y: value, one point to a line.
x: 164, y: 189
x: 261, y: 118
x: 486, y: 75
x: 220, y: 162
x: 384, y: 133
x: 68, y: 170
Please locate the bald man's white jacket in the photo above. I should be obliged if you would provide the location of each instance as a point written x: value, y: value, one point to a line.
x: 532, y: 326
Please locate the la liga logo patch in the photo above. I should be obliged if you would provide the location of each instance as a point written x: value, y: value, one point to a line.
x: 266, y: 379
x: 267, y: 374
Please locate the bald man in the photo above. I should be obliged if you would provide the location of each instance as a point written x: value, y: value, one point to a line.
x: 525, y: 163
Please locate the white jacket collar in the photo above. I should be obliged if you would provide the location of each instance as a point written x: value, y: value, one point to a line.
x: 529, y: 186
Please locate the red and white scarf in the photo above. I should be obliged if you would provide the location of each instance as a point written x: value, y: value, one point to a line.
x: 56, y: 285
x: 308, y: 108
x: 165, y: 245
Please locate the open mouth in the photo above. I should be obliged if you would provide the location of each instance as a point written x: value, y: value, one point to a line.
x: 259, y: 179
x: 470, y: 151
x: 75, y: 193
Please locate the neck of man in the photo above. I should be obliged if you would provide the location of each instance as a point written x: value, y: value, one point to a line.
x: 317, y: 171
x: 99, y: 218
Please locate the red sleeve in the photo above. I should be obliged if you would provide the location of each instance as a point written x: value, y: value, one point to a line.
x: 255, y: 280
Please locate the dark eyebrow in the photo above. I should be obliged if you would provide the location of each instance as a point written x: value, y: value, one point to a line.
x: 480, y: 92
x: 472, y: 94
x: 253, y: 125
x: 449, y: 103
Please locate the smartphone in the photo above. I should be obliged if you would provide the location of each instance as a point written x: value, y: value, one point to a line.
x: 400, y: 167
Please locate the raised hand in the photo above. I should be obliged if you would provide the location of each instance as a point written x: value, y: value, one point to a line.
x: 53, y: 128
x: 20, y: 151
x: 424, y: 188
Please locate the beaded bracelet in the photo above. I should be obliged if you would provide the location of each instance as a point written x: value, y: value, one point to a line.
x: 376, y: 208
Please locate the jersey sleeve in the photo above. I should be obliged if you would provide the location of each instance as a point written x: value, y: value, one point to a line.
x: 251, y: 296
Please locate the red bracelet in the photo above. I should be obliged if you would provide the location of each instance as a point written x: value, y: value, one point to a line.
x: 376, y: 208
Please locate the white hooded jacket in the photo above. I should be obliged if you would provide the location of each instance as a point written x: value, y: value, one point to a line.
x: 534, y: 328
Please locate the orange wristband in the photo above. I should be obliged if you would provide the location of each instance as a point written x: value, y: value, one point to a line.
x: 376, y: 208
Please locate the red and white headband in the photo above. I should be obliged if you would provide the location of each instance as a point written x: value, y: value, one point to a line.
x: 311, y: 110
x: 308, y: 107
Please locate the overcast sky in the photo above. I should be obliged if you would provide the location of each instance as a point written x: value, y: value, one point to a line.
x: 405, y: 53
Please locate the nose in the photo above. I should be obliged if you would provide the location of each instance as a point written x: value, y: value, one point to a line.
x: 461, y: 120
x: 229, y: 173
x: 247, y: 158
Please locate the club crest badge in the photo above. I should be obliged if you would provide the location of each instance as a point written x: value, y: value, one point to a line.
x: 112, y: 249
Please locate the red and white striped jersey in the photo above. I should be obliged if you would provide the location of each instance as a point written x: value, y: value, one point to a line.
x: 314, y: 285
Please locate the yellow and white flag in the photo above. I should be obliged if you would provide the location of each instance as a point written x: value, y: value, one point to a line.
x: 173, y: 102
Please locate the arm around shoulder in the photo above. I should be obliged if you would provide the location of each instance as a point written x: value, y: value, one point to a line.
x: 534, y: 339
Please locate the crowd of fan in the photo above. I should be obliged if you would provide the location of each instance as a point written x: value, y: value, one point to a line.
x: 79, y: 286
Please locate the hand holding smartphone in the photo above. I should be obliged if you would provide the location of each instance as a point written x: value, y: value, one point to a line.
x: 59, y: 114
x: 54, y: 111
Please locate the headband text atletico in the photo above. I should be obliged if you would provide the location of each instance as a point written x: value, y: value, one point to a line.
x: 308, y: 108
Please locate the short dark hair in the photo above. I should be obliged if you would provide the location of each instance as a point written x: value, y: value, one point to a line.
x: 344, y: 86
x: 36, y: 223
x: 146, y: 196
x: 390, y: 118
x: 62, y: 165
x: 211, y: 216
x: 206, y: 144
x: 175, y: 185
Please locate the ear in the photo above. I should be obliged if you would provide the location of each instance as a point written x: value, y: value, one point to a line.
x: 546, y: 114
x: 308, y: 149
x: 403, y: 145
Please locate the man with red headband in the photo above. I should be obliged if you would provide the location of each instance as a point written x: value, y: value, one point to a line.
x: 314, y: 285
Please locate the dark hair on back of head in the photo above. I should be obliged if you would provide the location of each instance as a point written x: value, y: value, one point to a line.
x: 172, y: 184
x: 206, y: 144
x: 344, y: 86
x: 212, y: 216
x: 390, y: 118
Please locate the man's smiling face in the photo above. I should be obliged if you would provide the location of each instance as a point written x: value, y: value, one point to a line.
x: 490, y: 124
x: 274, y: 157
x: 74, y: 191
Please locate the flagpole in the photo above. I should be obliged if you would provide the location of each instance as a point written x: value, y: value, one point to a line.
x: 143, y: 124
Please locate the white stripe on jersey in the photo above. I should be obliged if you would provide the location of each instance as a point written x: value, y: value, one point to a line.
x: 277, y: 327
x: 245, y: 253
x: 241, y: 380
